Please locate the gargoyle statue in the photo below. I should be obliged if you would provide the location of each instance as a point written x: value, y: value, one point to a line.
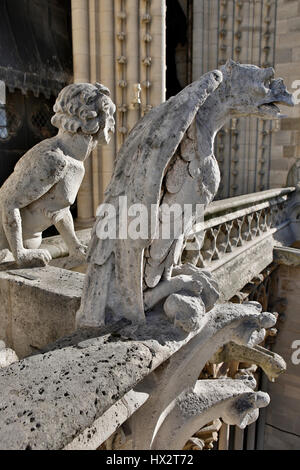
x: 46, y: 179
x: 168, y: 159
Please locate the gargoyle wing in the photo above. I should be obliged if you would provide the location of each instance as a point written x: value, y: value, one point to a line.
x: 139, y: 171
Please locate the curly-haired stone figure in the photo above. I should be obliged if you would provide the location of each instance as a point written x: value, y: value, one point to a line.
x: 46, y: 179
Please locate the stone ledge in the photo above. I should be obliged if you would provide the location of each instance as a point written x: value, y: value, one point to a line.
x: 49, y: 399
x: 26, y: 327
x: 247, y: 200
x: 286, y: 255
x: 52, y: 299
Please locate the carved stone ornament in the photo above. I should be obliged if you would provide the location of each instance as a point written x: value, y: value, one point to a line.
x: 168, y: 160
x: 46, y: 179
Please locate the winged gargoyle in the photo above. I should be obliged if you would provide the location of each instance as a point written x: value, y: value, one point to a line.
x: 168, y: 159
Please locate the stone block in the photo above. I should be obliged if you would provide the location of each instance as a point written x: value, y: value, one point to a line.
x: 290, y: 124
x: 294, y: 24
x: 283, y: 55
x: 38, y: 306
x: 282, y: 137
x: 296, y: 54
x: 282, y: 26
x: 277, y: 178
x: 287, y: 10
x: 279, y: 165
x: 277, y: 152
x: 275, y: 439
x: 289, y: 151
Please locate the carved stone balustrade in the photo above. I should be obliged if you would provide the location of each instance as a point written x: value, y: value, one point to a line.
x: 231, y: 226
x: 238, y: 229
x: 234, y: 230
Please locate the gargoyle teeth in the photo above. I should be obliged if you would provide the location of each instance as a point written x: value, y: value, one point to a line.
x: 268, y: 83
x: 269, y: 107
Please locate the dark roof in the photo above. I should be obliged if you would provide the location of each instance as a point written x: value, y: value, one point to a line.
x: 35, y: 45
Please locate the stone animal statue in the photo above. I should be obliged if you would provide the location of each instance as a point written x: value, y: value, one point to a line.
x: 168, y: 159
x: 46, y: 179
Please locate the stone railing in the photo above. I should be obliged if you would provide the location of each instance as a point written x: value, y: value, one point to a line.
x: 238, y: 229
x: 234, y: 223
x: 231, y: 226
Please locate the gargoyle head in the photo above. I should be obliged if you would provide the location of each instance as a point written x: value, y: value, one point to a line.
x: 251, y: 90
x: 87, y: 109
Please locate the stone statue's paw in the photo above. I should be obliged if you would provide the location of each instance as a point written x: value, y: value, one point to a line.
x: 209, y: 287
x: 34, y: 258
x: 210, y: 290
x: 80, y: 250
x: 186, y: 311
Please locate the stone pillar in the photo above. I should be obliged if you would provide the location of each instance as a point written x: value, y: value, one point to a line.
x: 282, y: 426
x: 198, y: 31
x: 81, y: 60
x: 286, y: 144
x: 132, y: 52
x: 122, y: 45
x: 158, y: 52
x: 245, y: 32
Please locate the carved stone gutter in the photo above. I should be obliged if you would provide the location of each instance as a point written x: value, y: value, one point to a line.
x: 52, y: 398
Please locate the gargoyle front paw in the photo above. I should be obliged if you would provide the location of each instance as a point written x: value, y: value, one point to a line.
x: 188, y: 294
x: 34, y: 258
x: 210, y: 290
x: 185, y: 310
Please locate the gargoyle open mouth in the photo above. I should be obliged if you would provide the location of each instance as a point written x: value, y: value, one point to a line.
x: 277, y: 95
x: 270, y: 109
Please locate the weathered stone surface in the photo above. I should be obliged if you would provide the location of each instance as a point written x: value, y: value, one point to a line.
x: 184, y: 366
x: 104, y: 427
x: 232, y: 400
x: 46, y: 179
x: 233, y: 275
x: 60, y: 253
x: 271, y: 363
x: 52, y: 400
x: 116, y: 281
x: 167, y: 160
x: 287, y: 256
x: 37, y: 306
x: 47, y: 400
x: 7, y: 356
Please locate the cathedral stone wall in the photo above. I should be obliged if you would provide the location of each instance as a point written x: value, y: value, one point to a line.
x: 286, y: 143
x: 282, y: 426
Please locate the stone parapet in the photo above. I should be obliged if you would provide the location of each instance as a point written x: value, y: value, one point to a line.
x: 55, y: 399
